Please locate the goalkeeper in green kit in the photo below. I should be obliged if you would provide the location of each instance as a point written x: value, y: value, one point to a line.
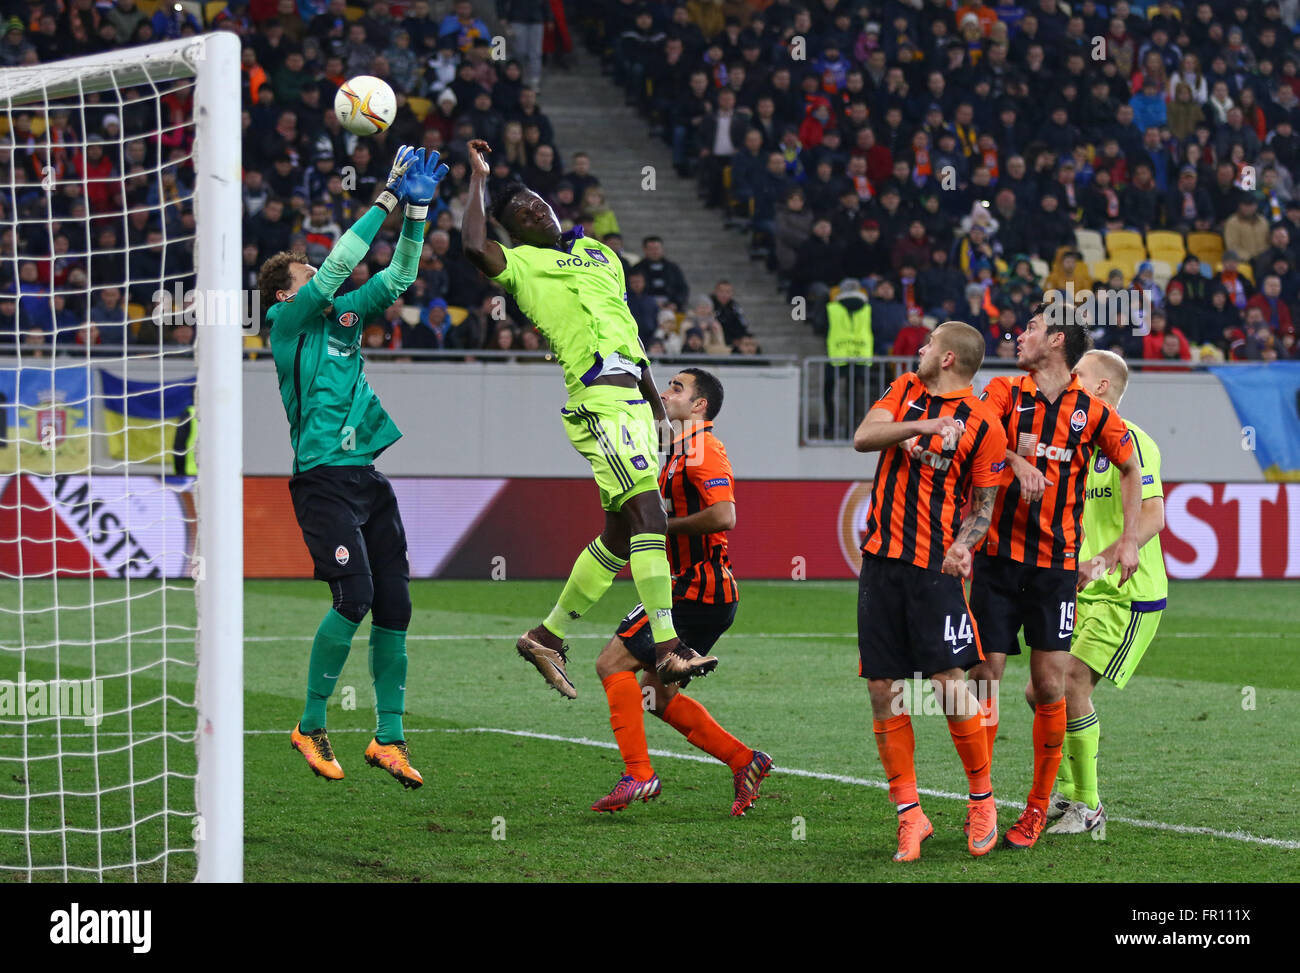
x: 573, y: 290
x: 345, y: 507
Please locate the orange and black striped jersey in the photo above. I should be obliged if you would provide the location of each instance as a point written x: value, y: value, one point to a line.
x: 920, y: 486
x: 1059, y: 438
x: 696, y: 475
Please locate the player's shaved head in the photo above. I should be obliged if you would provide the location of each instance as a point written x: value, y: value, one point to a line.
x: 965, y: 342
x: 1097, y: 365
x: 527, y: 217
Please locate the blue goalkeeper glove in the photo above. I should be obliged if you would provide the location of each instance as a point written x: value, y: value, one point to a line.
x: 421, y: 183
x: 405, y: 158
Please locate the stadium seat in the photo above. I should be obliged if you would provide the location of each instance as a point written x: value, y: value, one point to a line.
x: 1040, y: 267
x: 1171, y: 257
x: 1165, y: 242
x: 211, y: 9
x: 420, y: 107
x: 353, y: 13
x: 1126, y: 261
x: 1207, y: 246
x: 1161, y: 271
x: 1089, y: 240
x: 1124, y: 241
x: 456, y: 314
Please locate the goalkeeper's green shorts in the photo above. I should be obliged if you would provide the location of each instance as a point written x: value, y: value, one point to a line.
x: 1111, y: 637
x: 615, y: 432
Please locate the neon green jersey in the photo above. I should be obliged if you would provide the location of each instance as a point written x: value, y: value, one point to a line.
x: 578, y: 302
x: 1103, y: 520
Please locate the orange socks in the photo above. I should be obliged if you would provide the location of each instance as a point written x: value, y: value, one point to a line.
x: 1049, y: 734
x: 989, y: 716
x: 693, y: 721
x: 897, y: 744
x: 973, y: 748
x: 628, y: 720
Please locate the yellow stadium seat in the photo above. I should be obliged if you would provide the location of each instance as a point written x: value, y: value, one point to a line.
x: 353, y: 13
x: 1124, y: 241
x: 1207, y: 246
x: 1165, y: 241
x: 456, y: 314
x: 211, y: 9
x: 420, y: 106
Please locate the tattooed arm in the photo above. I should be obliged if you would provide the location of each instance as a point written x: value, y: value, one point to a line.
x: 957, y: 561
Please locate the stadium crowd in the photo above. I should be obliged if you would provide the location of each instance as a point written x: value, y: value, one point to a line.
x: 958, y: 159
x: 942, y: 162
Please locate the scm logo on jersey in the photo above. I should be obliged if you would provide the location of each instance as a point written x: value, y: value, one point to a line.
x: 342, y: 555
x: 1078, y: 420
x: 1061, y: 454
x: 349, y: 319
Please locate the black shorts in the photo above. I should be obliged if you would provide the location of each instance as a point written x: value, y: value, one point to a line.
x: 1007, y: 595
x: 698, y: 624
x: 912, y: 621
x: 350, y: 521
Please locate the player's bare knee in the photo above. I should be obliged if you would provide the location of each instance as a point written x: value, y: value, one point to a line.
x: 616, y: 537
x: 885, y: 698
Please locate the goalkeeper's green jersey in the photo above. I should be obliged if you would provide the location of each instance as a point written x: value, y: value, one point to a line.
x: 1103, y: 521
x: 335, y: 417
x: 578, y: 302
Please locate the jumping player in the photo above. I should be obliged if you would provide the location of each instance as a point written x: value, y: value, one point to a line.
x: 1025, y: 574
x: 573, y: 290
x: 699, y: 491
x: 1113, y: 626
x: 939, y: 445
x: 337, y: 426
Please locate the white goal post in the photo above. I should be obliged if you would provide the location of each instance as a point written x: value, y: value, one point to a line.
x: 211, y: 827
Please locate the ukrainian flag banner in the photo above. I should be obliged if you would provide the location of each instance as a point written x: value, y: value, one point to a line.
x: 1267, y: 400
x: 141, y: 417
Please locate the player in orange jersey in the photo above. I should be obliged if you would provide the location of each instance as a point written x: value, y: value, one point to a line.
x: 1027, y: 571
x: 698, y: 492
x: 939, y: 446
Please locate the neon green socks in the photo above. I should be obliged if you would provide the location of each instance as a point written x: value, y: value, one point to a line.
x: 590, y: 578
x: 654, y: 583
x: 1082, y: 741
x: 388, y: 671
x: 329, y: 651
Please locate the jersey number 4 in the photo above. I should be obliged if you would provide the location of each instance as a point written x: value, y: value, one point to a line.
x: 960, y: 636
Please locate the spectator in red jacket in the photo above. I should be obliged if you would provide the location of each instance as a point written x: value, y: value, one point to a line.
x: 1269, y: 300
x: 1164, y: 343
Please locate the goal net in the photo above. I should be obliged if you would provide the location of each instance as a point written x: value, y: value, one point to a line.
x: 121, y: 551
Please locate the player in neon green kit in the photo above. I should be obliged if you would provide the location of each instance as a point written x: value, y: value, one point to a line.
x: 573, y: 290
x: 337, y: 426
x: 1113, y: 625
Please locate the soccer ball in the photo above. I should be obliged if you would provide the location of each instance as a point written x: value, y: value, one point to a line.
x: 365, y: 105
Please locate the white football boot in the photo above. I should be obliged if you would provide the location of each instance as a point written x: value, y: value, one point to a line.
x: 1080, y: 819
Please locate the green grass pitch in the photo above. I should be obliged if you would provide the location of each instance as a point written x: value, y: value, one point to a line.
x: 1197, y: 771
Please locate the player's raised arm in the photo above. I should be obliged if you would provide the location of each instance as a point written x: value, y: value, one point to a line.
x: 355, y: 243
x: 417, y: 188
x: 879, y: 430
x: 480, y: 250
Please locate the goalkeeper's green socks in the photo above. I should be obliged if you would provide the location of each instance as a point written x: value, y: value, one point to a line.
x: 654, y: 583
x: 329, y: 651
x: 590, y: 578
x: 1082, y: 741
x: 388, y: 670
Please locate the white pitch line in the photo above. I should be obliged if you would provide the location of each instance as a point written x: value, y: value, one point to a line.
x: 1241, y: 836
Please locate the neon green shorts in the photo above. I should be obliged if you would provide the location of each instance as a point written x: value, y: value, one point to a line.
x: 1111, y: 637
x: 615, y: 432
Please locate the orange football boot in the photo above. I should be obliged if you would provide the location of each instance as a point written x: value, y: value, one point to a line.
x: 315, y: 747
x: 396, y: 759
x: 981, y: 826
x: 913, y: 828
